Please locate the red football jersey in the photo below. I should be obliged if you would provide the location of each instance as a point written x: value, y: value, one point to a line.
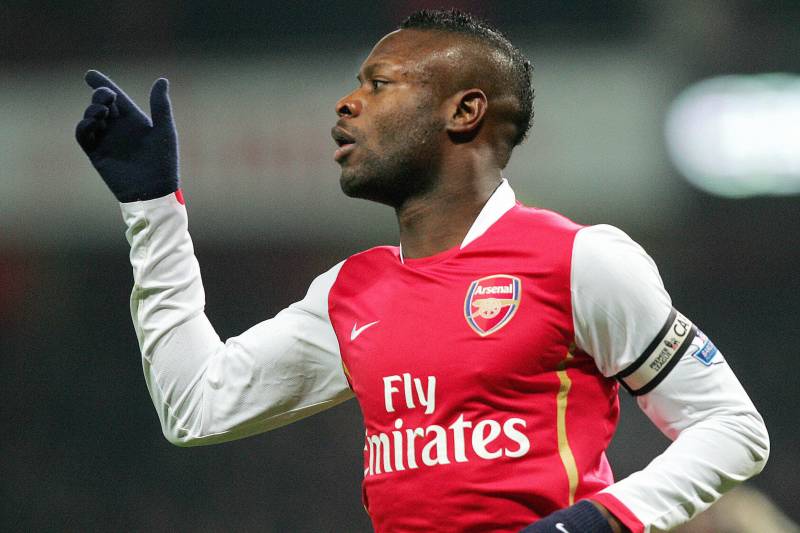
x: 483, y: 407
x: 480, y: 411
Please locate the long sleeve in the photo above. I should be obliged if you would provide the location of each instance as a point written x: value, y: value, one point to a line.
x: 624, y: 318
x: 206, y: 391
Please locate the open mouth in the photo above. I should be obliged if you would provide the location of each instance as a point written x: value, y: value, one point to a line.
x: 344, y: 141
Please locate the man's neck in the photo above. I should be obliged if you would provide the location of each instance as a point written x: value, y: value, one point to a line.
x: 440, y: 219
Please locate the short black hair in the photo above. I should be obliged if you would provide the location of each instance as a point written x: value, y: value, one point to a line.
x: 520, y: 74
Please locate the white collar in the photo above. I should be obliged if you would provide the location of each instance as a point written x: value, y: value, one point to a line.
x: 502, y: 199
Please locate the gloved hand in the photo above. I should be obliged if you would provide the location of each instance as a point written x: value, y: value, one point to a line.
x: 136, y: 157
x: 583, y: 517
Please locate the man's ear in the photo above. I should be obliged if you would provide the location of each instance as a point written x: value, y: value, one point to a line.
x: 468, y: 109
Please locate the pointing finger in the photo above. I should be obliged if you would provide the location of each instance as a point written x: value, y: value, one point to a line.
x: 97, y: 80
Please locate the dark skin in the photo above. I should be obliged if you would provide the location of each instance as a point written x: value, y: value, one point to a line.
x: 409, y: 141
x: 429, y: 130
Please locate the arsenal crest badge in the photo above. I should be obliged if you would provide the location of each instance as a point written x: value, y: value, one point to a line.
x: 492, y: 302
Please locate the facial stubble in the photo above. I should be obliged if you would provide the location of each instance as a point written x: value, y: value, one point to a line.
x: 404, y: 163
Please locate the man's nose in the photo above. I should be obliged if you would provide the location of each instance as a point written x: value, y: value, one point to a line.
x: 349, y: 106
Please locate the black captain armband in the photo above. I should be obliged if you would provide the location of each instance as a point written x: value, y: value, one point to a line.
x: 660, y: 357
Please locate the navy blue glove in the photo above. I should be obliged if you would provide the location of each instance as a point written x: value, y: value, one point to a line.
x: 583, y: 517
x: 136, y: 157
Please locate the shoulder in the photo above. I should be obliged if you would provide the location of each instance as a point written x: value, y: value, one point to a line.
x: 539, y: 231
x: 362, y: 270
x: 372, y: 258
x: 543, y: 218
x: 604, y: 253
x: 618, y: 299
x: 351, y: 275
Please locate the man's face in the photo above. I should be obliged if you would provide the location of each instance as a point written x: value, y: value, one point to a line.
x: 390, y: 131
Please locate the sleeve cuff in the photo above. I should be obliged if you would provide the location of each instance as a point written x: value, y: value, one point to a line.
x: 620, y: 511
x: 176, y: 196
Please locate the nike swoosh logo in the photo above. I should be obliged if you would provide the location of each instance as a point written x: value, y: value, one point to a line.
x: 358, y: 331
x: 560, y: 527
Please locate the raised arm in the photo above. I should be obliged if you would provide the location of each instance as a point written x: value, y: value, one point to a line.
x: 204, y: 390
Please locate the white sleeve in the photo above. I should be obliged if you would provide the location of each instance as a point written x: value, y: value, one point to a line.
x: 206, y: 391
x: 618, y: 300
x: 624, y: 319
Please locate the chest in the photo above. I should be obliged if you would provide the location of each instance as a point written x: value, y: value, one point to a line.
x: 446, y: 336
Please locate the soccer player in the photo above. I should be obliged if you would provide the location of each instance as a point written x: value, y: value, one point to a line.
x: 485, y: 351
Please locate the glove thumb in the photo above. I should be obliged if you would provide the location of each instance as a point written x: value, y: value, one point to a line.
x: 160, y: 107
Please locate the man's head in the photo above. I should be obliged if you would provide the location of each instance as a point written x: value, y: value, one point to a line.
x: 444, y: 85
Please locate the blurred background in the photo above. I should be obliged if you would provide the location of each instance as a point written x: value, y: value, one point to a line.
x: 678, y: 121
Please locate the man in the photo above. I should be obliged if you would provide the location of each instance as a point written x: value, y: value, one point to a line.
x: 484, y: 351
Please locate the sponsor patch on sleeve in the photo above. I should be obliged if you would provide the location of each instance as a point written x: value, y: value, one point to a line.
x: 703, y: 349
x: 661, y: 356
